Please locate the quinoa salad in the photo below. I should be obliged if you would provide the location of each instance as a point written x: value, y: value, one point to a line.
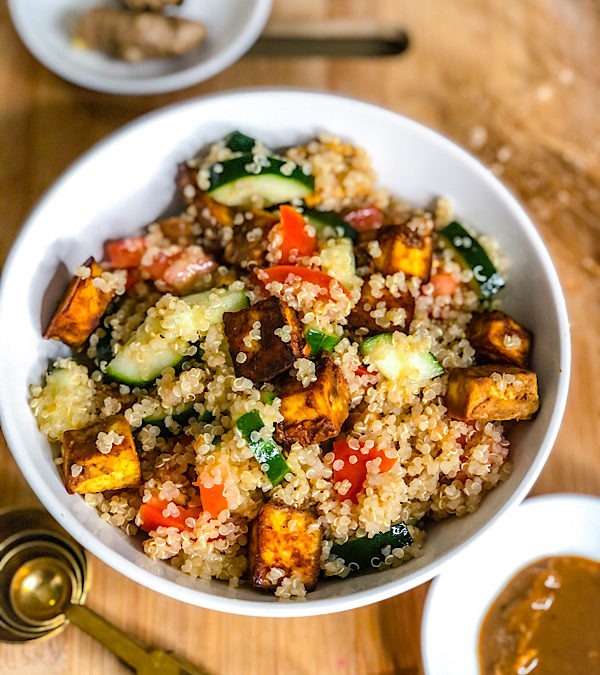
x: 292, y: 376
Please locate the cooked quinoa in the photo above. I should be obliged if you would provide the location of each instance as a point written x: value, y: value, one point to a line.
x: 184, y: 420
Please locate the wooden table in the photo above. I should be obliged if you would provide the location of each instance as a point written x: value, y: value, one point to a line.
x: 515, y: 82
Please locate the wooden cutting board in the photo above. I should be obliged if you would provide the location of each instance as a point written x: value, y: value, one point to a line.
x: 516, y: 83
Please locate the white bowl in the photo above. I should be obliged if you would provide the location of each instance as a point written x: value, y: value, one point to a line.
x: 460, y: 597
x: 127, y: 181
x: 232, y: 28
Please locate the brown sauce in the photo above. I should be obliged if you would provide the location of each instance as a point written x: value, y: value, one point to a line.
x: 546, y: 621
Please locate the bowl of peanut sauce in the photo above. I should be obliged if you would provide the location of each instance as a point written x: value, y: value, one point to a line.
x: 524, y: 598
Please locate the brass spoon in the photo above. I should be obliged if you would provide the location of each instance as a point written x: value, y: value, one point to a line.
x: 41, y: 589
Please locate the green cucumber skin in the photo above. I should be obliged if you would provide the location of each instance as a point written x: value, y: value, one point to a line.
x: 237, y: 141
x: 371, y: 343
x: 359, y: 553
x: 182, y: 414
x: 225, y: 177
x: 321, y: 220
x: 266, y: 451
x: 122, y: 368
x: 320, y: 342
x: 485, y: 276
x: 428, y: 364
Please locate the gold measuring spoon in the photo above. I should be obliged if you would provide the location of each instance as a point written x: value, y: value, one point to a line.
x: 42, y: 589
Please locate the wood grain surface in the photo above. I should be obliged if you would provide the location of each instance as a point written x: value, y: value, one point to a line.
x: 518, y: 84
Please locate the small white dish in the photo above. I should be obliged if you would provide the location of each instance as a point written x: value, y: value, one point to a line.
x: 46, y: 27
x: 127, y: 181
x: 541, y: 526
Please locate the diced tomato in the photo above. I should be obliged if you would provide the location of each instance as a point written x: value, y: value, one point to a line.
x: 160, y: 263
x: 293, y: 235
x: 367, y: 218
x: 444, y: 284
x: 181, y: 268
x: 286, y: 274
x: 213, y: 499
x: 133, y: 276
x: 186, y: 268
x: 354, y: 468
x: 151, y: 515
x: 363, y: 370
x: 126, y: 253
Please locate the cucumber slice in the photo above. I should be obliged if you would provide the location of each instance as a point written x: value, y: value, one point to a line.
x: 266, y: 451
x: 486, y: 278
x: 147, y: 352
x: 339, y: 262
x: 244, y: 182
x: 363, y: 553
x: 236, y: 141
x: 268, y: 396
x: 318, y: 341
x: 66, y: 400
x: 329, y: 224
x: 401, y: 358
x: 181, y: 414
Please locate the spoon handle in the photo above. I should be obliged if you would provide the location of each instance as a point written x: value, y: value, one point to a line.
x: 331, y: 38
x: 128, y: 649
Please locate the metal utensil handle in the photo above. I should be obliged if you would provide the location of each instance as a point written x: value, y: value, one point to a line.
x: 331, y: 37
x: 127, y: 648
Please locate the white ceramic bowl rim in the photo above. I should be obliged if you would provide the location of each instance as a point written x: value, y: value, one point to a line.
x: 183, y: 590
x: 66, y: 65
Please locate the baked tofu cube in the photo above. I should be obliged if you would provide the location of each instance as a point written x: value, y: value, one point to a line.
x: 81, y: 309
x: 492, y: 392
x: 100, y: 457
x: 257, y: 351
x: 361, y: 315
x: 207, y: 209
x: 180, y: 230
x: 399, y: 249
x: 249, y: 244
x: 314, y: 413
x: 496, y: 336
x: 284, y: 541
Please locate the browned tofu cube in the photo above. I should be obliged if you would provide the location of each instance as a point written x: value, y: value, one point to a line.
x: 250, y: 241
x: 361, y: 315
x: 262, y: 358
x: 80, y: 310
x: 100, y: 457
x: 284, y: 541
x: 315, y: 413
x: 399, y: 249
x: 180, y: 230
x: 492, y: 392
x: 496, y: 336
x: 207, y: 209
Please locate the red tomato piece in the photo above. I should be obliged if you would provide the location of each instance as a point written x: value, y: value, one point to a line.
x: 287, y: 273
x: 295, y: 237
x: 133, y: 276
x: 186, y: 268
x: 159, y: 265
x: 151, y: 515
x: 367, y: 218
x: 444, y: 284
x: 354, y: 467
x: 363, y: 370
x: 126, y: 253
x: 180, y: 268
